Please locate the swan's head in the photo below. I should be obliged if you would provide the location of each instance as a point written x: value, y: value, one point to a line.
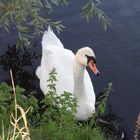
x: 85, y: 56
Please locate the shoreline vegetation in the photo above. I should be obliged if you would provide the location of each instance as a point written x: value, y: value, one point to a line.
x: 17, y: 119
x: 45, y: 119
x: 41, y: 116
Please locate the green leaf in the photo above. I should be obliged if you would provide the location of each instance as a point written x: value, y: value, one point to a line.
x: 90, y: 10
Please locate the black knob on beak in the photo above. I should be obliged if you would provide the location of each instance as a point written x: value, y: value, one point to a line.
x: 98, y: 74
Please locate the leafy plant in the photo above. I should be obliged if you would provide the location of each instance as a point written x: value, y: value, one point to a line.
x: 56, y: 108
x: 57, y: 120
x: 24, y: 14
x: 17, y: 130
x: 53, y: 117
x: 5, y: 100
x: 27, y: 18
x: 105, y: 118
x: 91, y: 9
x: 7, y: 103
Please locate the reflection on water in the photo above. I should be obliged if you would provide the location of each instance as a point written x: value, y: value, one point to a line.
x: 117, y: 51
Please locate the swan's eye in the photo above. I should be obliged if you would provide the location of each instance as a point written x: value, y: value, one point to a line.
x: 89, y: 58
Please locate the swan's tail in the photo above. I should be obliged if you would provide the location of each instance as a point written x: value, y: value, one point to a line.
x: 49, y: 38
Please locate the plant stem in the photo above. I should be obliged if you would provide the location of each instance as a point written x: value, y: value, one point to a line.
x: 15, y: 102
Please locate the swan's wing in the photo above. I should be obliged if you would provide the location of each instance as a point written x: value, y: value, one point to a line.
x: 49, y: 38
x: 62, y: 60
x: 38, y: 70
x: 55, y: 56
x: 65, y: 71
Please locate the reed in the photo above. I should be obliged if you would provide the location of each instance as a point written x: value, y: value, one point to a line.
x: 18, y: 117
x: 136, y: 133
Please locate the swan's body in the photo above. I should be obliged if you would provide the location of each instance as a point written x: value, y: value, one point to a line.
x: 72, y: 75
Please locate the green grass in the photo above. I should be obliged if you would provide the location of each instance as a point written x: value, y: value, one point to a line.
x: 53, y: 132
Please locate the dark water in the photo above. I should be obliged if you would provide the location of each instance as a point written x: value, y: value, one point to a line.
x: 117, y: 51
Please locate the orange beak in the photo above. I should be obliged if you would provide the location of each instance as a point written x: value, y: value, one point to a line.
x: 93, y: 67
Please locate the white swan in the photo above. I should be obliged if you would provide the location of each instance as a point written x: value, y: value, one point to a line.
x: 71, y: 72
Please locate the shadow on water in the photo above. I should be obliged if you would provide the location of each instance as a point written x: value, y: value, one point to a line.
x: 20, y: 60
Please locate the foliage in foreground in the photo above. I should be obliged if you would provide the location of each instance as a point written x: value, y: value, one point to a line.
x: 53, y: 117
x: 45, y: 116
x: 18, y: 120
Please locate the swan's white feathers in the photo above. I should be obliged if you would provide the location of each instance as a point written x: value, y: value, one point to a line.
x: 49, y: 38
x: 38, y: 72
x: 86, y: 51
x: 81, y: 55
x: 54, y: 55
x: 61, y: 60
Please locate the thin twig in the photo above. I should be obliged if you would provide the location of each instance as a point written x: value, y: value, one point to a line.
x: 15, y: 101
x: 14, y: 119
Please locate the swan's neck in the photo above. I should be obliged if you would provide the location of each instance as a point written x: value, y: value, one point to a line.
x: 79, y: 87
